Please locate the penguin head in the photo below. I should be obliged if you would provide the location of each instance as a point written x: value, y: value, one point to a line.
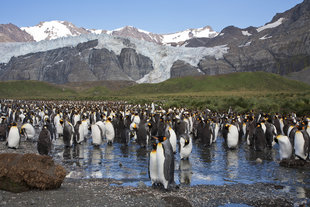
x: 61, y: 121
x: 154, y: 146
x: 258, y: 125
x: 14, y: 124
x: 186, y: 142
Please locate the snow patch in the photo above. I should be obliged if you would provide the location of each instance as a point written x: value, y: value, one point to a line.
x: 246, y: 44
x: 246, y: 33
x: 271, y: 25
x: 188, y: 34
x: 265, y: 37
x: 51, y: 30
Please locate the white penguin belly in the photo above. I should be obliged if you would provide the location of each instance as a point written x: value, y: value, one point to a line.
x: 13, y: 137
x: 299, y: 145
x: 160, y: 157
x: 96, y: 134
x: 153, y: 167
x: 173, y: 140
x: 232, y: 137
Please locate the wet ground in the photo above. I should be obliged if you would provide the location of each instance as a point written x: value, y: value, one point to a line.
x: 215, y: 165
x: 117, y: 175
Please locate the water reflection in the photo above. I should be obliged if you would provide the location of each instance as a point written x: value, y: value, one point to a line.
x: 185, y: 175
x: 206, y: 165
x: 232, y: 163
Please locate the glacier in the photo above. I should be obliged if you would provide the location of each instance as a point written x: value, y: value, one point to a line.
x: 162, y: 56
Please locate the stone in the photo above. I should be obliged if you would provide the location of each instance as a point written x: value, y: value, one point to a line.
x: 259, y: 160
x: 22, y: 172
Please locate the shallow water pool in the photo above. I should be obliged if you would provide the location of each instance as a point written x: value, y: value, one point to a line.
x: 214, y: 165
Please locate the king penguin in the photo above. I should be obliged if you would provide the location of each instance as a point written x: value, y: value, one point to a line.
x: 165, y: 162
x: 153, y: 170
x: 13, y: 139
x: 79, y: 132
x: 109, y: 131
x: 231, y: 135
x: 186, y: 146
x: 96, y: 134
x: 285, y: 146
x: 301, y: 145
x: 260, y: 142
x: 28, y: 131
x: 172, y: 138
x: 68, y: 132
x: 44, y: 142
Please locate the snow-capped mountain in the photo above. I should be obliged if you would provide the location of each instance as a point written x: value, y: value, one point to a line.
x: 57, y: 29
x: 53, y: 30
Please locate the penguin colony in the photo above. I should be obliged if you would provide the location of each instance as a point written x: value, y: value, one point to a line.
x: 164, y: 131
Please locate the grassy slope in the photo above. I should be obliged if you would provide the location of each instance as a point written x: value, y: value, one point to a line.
x: 242, y: 91
x: 34, y: 90
x: 247, y: 81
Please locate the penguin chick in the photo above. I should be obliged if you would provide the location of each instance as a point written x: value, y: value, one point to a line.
x: 44, y: 142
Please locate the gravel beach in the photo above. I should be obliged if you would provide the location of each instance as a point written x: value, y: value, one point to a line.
x: 109, y: 192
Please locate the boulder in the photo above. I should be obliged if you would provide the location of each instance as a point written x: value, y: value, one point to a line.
x: 22, y: 172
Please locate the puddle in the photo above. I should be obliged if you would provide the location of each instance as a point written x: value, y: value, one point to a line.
x: 214, y: 165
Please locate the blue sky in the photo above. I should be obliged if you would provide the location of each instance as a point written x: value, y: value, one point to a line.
x: 157, y: 16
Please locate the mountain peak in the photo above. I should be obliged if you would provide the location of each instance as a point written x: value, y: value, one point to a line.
x: 53, y: 30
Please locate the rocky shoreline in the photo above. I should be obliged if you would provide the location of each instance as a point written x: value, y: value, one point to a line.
x: 107, y: 192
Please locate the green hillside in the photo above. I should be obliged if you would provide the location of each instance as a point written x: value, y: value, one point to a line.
x: 241, y: 91
x: 34, y: 90
x: 246, y: 81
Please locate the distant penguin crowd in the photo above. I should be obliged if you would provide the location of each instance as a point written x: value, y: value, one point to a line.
x: 163, y: 131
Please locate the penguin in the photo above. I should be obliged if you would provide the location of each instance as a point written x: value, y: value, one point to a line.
x: 142, y: 134
x: 165, y: 162
x: 28, y: 131
x: 172, y: 138
x: 260, y: 142
x: 85, y: 127
x: 96, y: 135
x: 153, y: 169
x: 216, y: 129
x: 68, y: 132
x: 44, y: 142
x: 13, y: 139
x: 207, y: 134
x: 285, y: 147
x: 79, y: 132
x: 109, y: 131
x: 185, y: 146
x: 231, y: 136
x: 3, y: 128
x: 301, y: 145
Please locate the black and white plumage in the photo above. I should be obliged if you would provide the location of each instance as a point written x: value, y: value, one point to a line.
x: 165, y: 162
x: 285, y: 147
x: 13, y: 139
x: 186, y: 146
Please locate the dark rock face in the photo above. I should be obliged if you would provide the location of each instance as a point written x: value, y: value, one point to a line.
x: 12, y: 33
x: 282, y: 49
x: 134, y: 65
x: 181, y: 68
x: 20, y: 172
x: 77, y: 64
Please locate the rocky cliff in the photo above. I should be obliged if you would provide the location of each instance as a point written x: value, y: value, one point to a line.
x: 281, y: 46
x: 77, y: 64
x: 12, y: 33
